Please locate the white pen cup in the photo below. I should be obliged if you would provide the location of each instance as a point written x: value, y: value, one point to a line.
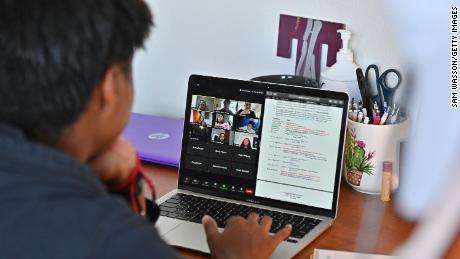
x: 367, y: 146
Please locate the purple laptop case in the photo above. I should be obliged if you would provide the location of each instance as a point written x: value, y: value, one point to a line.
x: 156, y: 139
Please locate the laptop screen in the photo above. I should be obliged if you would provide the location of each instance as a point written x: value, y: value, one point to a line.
x: 264, y: 143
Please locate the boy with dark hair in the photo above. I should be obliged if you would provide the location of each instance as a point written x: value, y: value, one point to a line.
x: 65, y: 95
x: 226, y: 107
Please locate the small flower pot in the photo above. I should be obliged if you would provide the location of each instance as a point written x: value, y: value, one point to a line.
x: 354, y: 177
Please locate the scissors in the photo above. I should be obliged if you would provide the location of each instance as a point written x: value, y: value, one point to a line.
x: 385, y: 91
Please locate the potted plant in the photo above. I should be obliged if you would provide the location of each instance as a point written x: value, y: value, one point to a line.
x: 357, y: 161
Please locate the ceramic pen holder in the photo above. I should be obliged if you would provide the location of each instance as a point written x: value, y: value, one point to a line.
x: 367, y: 146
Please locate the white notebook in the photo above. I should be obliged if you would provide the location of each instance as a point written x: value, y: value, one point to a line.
x: 334, y: 254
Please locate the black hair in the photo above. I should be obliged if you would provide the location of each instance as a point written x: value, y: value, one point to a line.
x: 53, y: 53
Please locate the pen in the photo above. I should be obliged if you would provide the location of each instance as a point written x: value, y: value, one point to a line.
x: 390, y: 115
x: 389, y: 119
x: 376, y: 106
x: 394, y: 117
x: 363, y: 88
x: 355, y: 106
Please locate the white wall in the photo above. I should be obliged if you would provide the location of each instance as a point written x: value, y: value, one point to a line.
x: 238, y: 39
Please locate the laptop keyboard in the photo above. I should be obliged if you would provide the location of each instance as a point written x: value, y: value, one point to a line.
x: 192, y: 208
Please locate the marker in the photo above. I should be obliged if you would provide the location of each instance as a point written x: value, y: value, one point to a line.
x: 364, y: 112
x: 384, y: 118
x: 352, y: 104
x: 360, y: 116
x: 350, y: 114
x: 376, y: 120
x: 366, y: 120
x: 355, y: 115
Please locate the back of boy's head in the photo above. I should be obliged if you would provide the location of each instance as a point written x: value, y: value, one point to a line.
x: 53, y: 53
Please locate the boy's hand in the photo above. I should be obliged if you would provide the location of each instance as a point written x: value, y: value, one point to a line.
x: 243, y: 238
x: 115, y: 164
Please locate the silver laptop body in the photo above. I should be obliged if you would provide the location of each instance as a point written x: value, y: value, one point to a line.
x: 291, y: 166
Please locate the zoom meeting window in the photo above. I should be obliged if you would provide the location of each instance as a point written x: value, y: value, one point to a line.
x: 299, y: 149
x: 224, y: 140
x: 290, y: 155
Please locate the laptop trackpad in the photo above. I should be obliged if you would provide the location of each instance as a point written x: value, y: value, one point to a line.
x: 188, y: 235
x: 165, y: 225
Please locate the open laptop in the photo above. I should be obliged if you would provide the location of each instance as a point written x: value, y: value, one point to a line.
x: 156, y: 139
x: 257, y: 147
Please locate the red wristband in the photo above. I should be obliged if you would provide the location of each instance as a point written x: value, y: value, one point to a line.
x: 130, y: 184
x: 139, y: 170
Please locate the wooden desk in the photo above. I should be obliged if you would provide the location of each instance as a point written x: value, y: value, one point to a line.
x: 343, y: 235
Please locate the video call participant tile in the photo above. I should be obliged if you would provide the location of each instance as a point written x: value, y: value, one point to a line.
x: 203, y: 103
x: 199, y: 133
x: 197, y: 163
x: 241, y: 155
x: 222, y: 136
x: 221, y: 151
x: 198, y: 148
x: 226, y: 106
x: 243, y: 171
x: 246, y: 124
x: 219, y: 167
x: 223, y: 121
x: 246, y: 140
x: 249, y: 109
x: 201, y: 118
